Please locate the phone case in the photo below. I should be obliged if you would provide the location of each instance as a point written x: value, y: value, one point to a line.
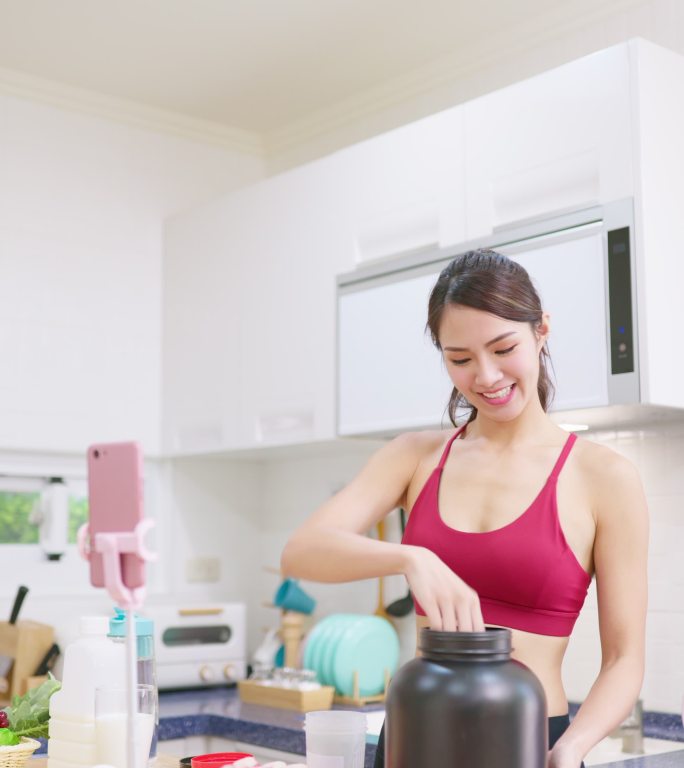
x: 115, y: 497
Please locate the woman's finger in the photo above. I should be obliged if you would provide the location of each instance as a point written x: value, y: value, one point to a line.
x: 465, y: 621
x: 434, y: 616
x: 449, y: 620
x: 476, y: 613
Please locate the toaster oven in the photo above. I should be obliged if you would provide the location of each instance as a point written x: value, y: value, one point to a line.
x: 199, y: 645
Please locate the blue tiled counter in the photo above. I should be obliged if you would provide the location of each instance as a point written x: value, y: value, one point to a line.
x: 219, y: 712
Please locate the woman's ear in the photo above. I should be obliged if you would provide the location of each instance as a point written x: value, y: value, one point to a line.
x: 542, y: 330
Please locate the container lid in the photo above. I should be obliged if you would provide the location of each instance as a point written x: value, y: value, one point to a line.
x: 493, y: 644
x: 217, y: 759
x: 117, y: 624
x: 93, y: 625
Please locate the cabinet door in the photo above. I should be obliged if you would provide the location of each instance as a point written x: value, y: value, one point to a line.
x: 557, y: 141
x: 390, y: 376
x: 300, y: 241
x: 407, y: 187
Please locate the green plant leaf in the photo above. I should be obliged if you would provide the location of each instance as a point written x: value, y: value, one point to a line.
x: 29, y: 714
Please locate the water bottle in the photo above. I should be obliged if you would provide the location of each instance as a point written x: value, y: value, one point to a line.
x: 90, y: 662
x: 465, y: 704
x: 147, y: 671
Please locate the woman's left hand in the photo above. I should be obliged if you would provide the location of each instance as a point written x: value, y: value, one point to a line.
x: 562, y: 756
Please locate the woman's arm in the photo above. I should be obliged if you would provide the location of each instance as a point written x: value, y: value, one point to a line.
x: 331, y: 546
x: 620, y: 560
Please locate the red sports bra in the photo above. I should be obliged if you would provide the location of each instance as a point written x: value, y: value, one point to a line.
x: 525, y: 574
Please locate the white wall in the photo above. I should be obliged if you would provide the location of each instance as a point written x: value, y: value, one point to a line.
x: 659, y: 456
x: 82, y: 201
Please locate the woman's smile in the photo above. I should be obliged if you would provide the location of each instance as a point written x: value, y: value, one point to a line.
x: 499, y: 397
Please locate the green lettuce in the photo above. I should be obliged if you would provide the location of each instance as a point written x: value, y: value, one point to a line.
x: 29, y: 714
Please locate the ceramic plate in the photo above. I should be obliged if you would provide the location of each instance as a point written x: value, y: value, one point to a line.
x: 368, y: 647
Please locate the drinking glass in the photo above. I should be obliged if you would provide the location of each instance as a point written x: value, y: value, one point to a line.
x: 111, y: 725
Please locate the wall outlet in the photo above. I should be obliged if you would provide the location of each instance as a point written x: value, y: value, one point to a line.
x: 202, y: 569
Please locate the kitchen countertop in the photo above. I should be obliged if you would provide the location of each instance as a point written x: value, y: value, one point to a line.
x: 220, y: 712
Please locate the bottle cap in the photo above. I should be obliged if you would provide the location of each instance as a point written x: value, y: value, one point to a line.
x: 93, y: 625
x: 117, y: 625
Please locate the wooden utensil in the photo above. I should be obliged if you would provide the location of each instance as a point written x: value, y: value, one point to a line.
x: 380, y: 608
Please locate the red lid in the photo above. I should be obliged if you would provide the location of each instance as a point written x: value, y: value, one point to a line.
x: 217, y: 759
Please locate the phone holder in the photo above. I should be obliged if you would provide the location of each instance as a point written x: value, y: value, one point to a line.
x: 111, y: 546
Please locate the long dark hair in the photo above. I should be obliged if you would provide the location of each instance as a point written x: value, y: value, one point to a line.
x: 493, y: 283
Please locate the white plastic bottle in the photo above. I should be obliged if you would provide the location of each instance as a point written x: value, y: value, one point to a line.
x: 90, y: 662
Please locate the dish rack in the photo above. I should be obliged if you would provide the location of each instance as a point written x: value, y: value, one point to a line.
x: 269, y: 695
x: 258, y: 692
x: 356, y: 700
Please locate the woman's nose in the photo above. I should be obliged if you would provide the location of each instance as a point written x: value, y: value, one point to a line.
x: 487, y: 374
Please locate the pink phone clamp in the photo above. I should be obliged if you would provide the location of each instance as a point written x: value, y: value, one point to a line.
x: 111, y: 546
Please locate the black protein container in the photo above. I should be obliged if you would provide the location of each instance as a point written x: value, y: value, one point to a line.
x: 465, y: 704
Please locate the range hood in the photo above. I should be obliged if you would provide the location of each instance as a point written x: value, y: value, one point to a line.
x: 585, y: 265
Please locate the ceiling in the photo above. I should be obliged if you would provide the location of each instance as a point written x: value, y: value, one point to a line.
x: 261, y: 66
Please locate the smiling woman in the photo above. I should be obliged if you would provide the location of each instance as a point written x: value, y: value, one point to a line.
x: 510, y: 517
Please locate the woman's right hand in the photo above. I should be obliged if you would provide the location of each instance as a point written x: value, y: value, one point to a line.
x: 449, y: 603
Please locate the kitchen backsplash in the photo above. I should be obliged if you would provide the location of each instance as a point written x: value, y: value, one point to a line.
x: 241, y: 513
x: 293, y: 488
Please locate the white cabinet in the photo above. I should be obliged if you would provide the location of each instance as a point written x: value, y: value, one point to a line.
x: 249, y: 352
x: 557, y: 141
x: 299, y: 242
x: 390, y: 375
x: 250, y: 282
x: 406, y: 187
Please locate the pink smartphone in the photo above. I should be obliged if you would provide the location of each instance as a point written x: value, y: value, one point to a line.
x: 115, y: 498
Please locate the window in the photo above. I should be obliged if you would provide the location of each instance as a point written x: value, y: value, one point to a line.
x: 18, y: 497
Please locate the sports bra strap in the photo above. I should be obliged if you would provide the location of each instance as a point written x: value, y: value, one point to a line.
x: 447, y: 447
x: 563, y: 456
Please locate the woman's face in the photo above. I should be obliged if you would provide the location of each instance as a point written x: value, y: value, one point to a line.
x: 493, y: 362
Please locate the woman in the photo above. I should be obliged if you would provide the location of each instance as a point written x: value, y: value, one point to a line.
x: 471, y: 555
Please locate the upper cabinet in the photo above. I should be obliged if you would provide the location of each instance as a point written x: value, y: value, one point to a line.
x: 407, y: 187
x: 250, y: 283
x: 251, y: 325
x: 249, y: 353
x: 553, y: 143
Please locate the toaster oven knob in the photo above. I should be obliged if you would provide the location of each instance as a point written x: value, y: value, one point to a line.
x: 229, y: 672
x: 207, y: 674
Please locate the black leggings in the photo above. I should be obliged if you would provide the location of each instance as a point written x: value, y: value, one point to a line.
x: 557, y: 727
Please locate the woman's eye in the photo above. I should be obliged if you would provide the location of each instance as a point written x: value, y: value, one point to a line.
x: 460, y: 362
x: 506, y: 351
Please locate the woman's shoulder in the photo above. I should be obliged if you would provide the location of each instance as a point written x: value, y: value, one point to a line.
x: 606, y: 472
x: 425, y: 442
x: 421, y: 448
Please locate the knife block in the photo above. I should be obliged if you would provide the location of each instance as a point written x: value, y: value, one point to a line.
x: 26, y: 642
